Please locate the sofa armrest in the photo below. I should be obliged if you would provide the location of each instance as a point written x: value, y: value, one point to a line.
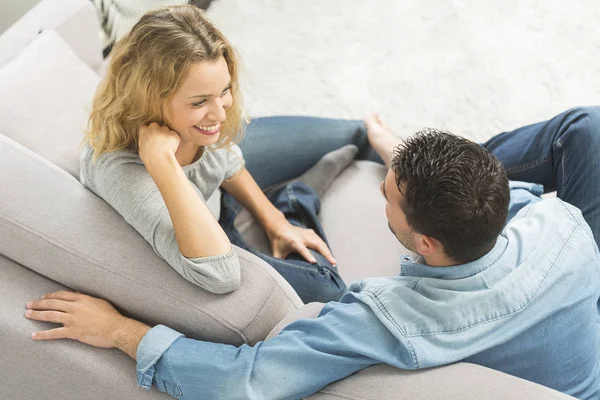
x: 60, y: 369
x: 53, y: 225
x: 462, y: 381
x: 75, y: 20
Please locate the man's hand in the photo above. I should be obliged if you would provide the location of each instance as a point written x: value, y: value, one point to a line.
x: 286, y: 238
x: 86, y: 319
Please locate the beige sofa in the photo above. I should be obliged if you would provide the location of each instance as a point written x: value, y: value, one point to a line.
x: 55, y: 234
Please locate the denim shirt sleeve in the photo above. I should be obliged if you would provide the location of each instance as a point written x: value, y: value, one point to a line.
x: 153, y: 345
x: 306, y: 356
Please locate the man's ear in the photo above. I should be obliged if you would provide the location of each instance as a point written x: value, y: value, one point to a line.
x: 428, y: 246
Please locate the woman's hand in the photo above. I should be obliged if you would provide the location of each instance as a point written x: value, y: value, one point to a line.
x: 286, y: 238
x: 156, y: 140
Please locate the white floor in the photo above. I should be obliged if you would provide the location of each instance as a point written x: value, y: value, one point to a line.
x: 473, y: 67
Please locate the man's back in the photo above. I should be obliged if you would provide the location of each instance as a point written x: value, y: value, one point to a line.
x: 529, y: 307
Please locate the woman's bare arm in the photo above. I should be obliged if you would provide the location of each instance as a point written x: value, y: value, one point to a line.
x: 197, y: 231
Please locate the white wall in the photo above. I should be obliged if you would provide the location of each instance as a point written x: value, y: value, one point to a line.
x: 12, y: 10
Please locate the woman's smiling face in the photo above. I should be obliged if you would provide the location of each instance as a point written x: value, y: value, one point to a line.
x: 198, y: 107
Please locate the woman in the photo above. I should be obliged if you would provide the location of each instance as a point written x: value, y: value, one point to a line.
x: 161, y: 143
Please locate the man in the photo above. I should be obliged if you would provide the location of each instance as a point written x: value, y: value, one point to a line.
x: 522, y: 298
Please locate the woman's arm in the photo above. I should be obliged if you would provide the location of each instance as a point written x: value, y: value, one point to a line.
x: 247, y: 192
x: 285, y: 238
x: 156, y: 198
x: 197, y: 231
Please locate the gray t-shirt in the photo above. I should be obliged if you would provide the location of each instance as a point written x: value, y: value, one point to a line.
x: 121, y: 179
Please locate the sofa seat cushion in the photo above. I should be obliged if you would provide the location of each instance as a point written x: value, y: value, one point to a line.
x: 61, y: 369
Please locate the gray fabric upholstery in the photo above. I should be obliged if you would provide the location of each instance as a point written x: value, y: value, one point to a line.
x: 56, y: 227
x: 61, y: 369
x: 41, y: 212
x: 71, y: 370
x: 75, y: 20
x: 45, y: 96
x: 310, y: 310
x: 462, y: 381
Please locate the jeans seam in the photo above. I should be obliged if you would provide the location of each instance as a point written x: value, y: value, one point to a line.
x: 559, y: 146
x: 528, y: 166
x: 295, y: 205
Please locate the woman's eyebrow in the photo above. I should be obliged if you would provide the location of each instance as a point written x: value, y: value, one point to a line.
x: 209, y: 95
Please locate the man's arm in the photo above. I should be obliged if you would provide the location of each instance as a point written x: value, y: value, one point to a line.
x: 86, y: 319
x: 306, y: 356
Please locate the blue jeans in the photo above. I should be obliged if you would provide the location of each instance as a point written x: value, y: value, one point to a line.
x: 277, y: 149
x: 549, y: 341
x: 561, y: 154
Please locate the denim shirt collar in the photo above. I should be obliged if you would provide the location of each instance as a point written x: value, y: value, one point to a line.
x: 410, y: 268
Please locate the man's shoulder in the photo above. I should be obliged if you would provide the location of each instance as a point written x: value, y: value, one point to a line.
x: 550, y: 218
x: 548, y: 248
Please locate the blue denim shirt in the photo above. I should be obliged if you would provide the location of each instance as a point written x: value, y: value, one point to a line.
x: 530, y: 308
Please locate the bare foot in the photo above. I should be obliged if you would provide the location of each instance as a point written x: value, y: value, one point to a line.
x: 380, y: 137
x: 376, y: 129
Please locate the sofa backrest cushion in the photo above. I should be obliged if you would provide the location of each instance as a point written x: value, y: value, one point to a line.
x: 76, y: 21
x: 45, y: 94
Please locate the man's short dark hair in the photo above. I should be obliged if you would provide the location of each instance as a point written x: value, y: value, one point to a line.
x: 454, y: 191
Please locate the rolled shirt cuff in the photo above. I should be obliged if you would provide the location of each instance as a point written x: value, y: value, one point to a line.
x: 153, y: 345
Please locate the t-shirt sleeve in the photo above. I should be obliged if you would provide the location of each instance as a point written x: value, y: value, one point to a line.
x: 235, y: 161
x: 128, y: 187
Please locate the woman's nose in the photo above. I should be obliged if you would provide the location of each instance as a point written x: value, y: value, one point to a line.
x: 217, y: 111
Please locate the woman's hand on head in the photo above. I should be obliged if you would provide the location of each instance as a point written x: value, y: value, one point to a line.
x: 286, y: 238
x: 156, y: 141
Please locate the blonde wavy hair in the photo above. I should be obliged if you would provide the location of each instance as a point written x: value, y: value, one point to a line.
x: 147, y: 67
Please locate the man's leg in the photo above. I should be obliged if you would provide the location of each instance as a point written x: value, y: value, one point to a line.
x: 562, y: 154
